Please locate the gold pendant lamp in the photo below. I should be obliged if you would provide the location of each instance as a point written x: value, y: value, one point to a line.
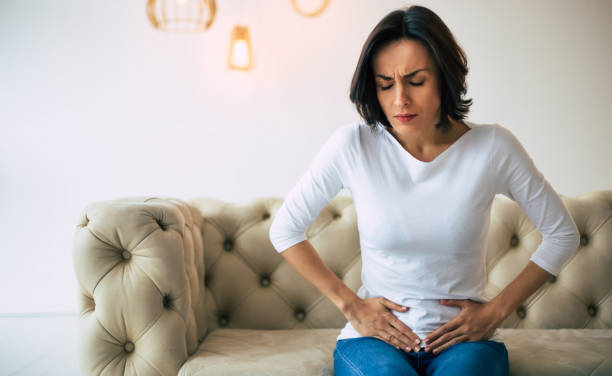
x: 240, y: 54
x: 320, y: 7
x: 181, y: 15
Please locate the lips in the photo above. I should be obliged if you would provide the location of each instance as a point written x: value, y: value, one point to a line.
x: 405, y: 117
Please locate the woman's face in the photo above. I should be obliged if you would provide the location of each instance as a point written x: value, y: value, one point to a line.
x: 406, y: 83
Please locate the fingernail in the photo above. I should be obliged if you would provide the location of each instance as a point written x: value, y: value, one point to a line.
x: 417, y: 340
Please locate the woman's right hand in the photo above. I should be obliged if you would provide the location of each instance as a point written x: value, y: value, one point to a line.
x: 372, y: 318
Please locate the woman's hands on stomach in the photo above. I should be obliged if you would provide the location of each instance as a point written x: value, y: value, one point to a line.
x: 372, y: 317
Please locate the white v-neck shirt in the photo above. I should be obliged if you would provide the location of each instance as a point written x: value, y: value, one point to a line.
x: 423, y: 225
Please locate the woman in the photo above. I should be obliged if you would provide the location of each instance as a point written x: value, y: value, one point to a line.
x: 423, y: 181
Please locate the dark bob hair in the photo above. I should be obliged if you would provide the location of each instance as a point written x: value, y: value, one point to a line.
x: 420, y: 24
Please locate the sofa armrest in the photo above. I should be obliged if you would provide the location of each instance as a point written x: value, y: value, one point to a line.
x: 139, y: 266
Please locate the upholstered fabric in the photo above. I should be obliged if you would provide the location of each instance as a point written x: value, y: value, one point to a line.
x: 157, y: 276
x: 257, y: 352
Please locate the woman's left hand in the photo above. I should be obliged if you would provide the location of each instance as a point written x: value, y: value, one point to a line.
x: 475, y: 322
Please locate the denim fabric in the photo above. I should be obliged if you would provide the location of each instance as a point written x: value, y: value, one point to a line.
x: 372, y: 356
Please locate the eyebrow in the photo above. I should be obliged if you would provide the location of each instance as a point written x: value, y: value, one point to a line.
x: 405, y: 76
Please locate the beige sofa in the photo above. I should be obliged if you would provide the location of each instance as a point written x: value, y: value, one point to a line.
x: 171, y: 287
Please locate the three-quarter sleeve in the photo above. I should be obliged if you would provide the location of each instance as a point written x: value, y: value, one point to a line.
x: 325, y: 177
x: 517, y: 177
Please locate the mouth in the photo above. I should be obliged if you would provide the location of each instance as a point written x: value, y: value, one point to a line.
x: 405, y: 117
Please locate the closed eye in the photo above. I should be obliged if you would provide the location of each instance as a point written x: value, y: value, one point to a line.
x: 412, y: 83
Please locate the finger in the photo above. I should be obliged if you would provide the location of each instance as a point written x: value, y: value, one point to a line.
x: 443, y: 339
x: 392, y: 305
x: 390, y: 339
x: 452, y: 302
x: 449, y: 326
x: 461, y: 338
x: 403, y: 341
x: 406, y: 333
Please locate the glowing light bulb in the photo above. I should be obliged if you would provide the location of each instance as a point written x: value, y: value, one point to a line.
x: 240, y: 56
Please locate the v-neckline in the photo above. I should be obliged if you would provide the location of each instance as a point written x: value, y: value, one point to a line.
x: 439, y: 156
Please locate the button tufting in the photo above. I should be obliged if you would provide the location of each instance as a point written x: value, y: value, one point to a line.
x: 264, y: 281
x: 228, y: 245
x: 128, y: 347
x: 521, y: 312
x: 126, y: 255
x: 300, y: 315
x: 223, y: 320
x: 160, y: 224
x: 592, y: 310
x: 336, y: 216
x: 552, y: 279
x: 584, y: 240
x: 206, y: 280
x: 514, y: 241
x: 167, y: 301
x: 265, y: 216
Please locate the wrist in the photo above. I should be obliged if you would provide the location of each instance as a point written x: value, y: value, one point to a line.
x: 346, y: 302
x: 499, y: 310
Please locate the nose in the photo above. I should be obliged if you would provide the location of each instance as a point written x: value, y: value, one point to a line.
x: 402, y: 95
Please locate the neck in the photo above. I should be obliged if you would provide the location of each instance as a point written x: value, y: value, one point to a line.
x: 431, y: 138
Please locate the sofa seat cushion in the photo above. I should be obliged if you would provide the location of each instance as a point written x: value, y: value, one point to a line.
x: 560, y: 352
x: 254, y: 352
x: 539, y: 352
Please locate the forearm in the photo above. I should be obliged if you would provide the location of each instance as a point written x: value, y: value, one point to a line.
x: 525, y: 284
x: 304, y: 258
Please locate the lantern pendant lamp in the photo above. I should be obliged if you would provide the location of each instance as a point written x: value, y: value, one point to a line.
x: 240, y: 54
x: 181, y: 15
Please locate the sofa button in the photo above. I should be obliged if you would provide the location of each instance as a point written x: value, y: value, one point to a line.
x: 514, y: 241
x: 265, y: 216
x: 552, y: 279
x: 592, y: 310
x: 128, y: 347
x: 264, y: 281
x: 300, y: 315
x: 584, y: 240
x: 161, y: 224
x: 126, y: 255
x: 521, y: 312
x: 227, y: 245
x: 167, y: 302
x: 336, y: 215
x: 223, y: 320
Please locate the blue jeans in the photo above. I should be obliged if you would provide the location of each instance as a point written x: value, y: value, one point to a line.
x: 372, y: 356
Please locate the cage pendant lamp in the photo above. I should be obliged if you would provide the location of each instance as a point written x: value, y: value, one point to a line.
x: 181, y: 15
x: 320, y: 7
x: 240, y: 54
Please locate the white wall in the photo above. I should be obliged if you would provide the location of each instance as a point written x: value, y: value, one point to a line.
x: 95, y: 104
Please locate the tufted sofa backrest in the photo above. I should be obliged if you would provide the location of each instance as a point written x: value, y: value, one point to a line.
x: 250, y: 285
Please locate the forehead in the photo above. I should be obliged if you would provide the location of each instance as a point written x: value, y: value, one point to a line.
x: 401, y: 56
